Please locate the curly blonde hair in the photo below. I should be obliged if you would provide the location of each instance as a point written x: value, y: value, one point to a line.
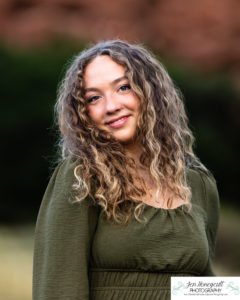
x: 103, y: 168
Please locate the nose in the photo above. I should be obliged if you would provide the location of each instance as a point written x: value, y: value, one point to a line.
x: 112, y: 103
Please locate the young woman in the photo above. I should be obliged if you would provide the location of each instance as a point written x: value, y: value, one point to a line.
x: 130, y: 204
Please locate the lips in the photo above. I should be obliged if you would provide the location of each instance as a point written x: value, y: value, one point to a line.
x: 118, y: 122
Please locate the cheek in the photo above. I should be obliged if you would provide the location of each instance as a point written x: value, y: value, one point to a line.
x: 138, y: 110
x: 135, y: 104
x: 95, y: 113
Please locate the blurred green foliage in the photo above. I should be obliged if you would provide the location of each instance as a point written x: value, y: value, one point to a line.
x: 29, y: 81
x: 213, y: 107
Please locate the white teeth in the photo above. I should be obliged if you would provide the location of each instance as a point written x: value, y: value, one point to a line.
x: 118, y: 121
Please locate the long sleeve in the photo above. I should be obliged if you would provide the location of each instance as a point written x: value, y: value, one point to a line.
x: 213, y: 212
x: 63, y: 237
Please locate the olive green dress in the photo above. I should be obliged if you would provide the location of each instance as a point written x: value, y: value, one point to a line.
x: 79, y: 255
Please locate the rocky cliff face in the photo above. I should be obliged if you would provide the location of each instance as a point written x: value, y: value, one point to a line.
x: 203, y: 33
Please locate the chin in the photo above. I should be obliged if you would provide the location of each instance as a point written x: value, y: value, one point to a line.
x: 124, y: 139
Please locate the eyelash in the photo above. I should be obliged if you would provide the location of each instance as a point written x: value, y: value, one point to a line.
x: 127, y: 86
x: 90, y: 100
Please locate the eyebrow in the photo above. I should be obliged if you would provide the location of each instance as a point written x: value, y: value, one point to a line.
x: 114, y: 82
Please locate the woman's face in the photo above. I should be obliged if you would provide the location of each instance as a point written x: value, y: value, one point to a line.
x: 112, y: 105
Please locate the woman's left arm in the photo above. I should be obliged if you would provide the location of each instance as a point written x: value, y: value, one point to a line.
x: 213, y: 213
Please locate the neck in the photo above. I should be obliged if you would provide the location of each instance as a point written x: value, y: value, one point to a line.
x: 134, y: 151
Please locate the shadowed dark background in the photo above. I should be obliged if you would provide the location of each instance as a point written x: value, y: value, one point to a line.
x: 199, y: 44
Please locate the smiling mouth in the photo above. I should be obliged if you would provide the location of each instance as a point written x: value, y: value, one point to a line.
x: 118, y: 122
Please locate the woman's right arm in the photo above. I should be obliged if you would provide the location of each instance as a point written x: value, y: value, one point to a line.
x: 63, y: 238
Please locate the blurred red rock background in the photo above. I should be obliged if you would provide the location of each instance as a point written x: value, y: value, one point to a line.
x: 204, y: 34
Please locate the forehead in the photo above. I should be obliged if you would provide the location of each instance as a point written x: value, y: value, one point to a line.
x: 101, y: 70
